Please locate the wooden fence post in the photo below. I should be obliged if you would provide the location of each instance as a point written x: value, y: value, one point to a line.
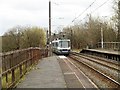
x: 13, y: 75
x: 15, y: 60
x: 26, y: 57
x: 20, y: 68
x: 5, y: 68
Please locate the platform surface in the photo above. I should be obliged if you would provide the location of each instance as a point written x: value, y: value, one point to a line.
x: 105, y: 51
x: 47, y: 74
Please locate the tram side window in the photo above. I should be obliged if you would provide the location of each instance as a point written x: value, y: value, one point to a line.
x: 53, y: 45
x: 69, y: 43
x: 56, y: 44
x: 64, y: 44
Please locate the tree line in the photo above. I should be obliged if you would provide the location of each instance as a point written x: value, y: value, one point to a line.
x: 82, y: 34
x: 88, y: 33
x: 23, y: 37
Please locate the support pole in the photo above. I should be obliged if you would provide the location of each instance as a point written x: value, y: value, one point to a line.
x: 71, y: 40
x: 118, y: 36
x: 102, y: 37
x: 50, y: 51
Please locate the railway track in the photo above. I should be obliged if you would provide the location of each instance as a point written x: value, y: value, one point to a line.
x: 108, y: 68
x: 110, y: 63
x: 103, y: 74
x: 69, y: 69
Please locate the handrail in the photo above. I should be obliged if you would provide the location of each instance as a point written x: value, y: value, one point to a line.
x: 16, y: 63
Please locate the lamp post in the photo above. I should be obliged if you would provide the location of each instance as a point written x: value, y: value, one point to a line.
x: 50, y: 51
x: 71, y: 39
x: 101, y: 36
x: 119, y: 22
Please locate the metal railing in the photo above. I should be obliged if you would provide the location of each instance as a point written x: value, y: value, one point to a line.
x: 104, y: 54
x: 110, y: 45
x: 16, y: 63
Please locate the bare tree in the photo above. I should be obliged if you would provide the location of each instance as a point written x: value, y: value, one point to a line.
x: 23, y: 37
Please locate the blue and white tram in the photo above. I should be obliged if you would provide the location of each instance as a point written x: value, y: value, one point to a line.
x: 61, y: 46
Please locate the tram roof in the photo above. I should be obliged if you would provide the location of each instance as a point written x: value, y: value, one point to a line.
x: 61, y: 40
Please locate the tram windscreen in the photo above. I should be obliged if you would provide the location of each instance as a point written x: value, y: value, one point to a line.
x: 64, y: 44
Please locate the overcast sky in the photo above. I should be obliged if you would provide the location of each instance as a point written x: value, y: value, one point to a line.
x: 36, y: 12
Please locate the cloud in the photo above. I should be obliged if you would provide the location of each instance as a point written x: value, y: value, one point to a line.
x: 14, y: 13
x: 36, y: 12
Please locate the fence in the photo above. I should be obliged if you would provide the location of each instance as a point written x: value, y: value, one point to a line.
x: 110, y: 45
x: 16, y: 63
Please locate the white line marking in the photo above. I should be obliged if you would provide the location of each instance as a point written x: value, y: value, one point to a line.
x: 69, y: 73
x: 62, y: 57
x: 83, y: 74
x: 74, y: 73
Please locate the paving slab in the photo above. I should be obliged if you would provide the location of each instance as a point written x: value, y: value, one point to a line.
x: 105, y: 51
x: 69, y: 75
x: 47, y: 74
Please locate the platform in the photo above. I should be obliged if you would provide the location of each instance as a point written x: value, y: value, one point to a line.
x: 55, y: 72
x: 107, y: 54
x: 106, y: 51
x: 47, y: 74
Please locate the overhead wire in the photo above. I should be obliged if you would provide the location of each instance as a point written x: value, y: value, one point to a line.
x: 100, y: 6
x: 92, y: 11
x: 84, y: 11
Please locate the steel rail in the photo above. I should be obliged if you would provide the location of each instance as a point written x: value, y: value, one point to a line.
x: 99, y: 62
x: 102, y: 74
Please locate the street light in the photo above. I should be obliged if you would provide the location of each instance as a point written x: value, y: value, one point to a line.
x: 101, y: 35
